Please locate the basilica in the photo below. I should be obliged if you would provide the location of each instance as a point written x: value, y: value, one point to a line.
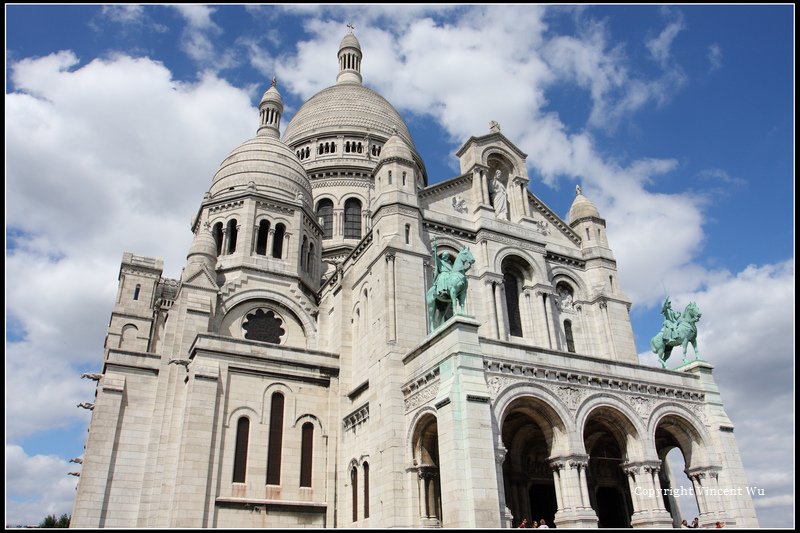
x: 306, y: 371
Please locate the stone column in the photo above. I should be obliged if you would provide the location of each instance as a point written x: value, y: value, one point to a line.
x: 500, y: 300
x: 569, y: 476
x: 492, y: 305
x: 285, y: 254
x: 270, y: 239
x: 224, y: 250
x: 531, y: 323
x: 338, y: 222
x: 705, y: 481
x: 612, y: 352
x: 548, y: 322
x: 648, y: 505
x: 391, y: 319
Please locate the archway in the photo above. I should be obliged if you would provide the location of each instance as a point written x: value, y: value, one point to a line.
x: 425, y: 449
x: 675, y: 442
x: 529, y: 430
x: 605, y: 435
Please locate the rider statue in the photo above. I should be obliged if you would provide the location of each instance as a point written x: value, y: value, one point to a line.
x: 671, y: 319
x: 442, y: 262
x: 448, y: 292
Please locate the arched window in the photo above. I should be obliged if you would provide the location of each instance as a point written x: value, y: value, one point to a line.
x: 325, y: 217
x: 240, y: 457
x: 333, y: 148
x: 275, y: 440
x: 366, y: 490
x: 306, y: 453
x: 568, y: 335
x: 512, y: 303
x: 136, y: 292
x: 354, y: 486
x: 303, y: 251
x: 347, y: 147
x: 277, y: 241
x: 327, y: 148
x: 359, y: 148
x: 390, y: 177
x: 218, y: 237
x: 404, y: 179
x: 308, y: 151
x: 261, y: 239
x: 232, y: 235
x: 408, y: 234
x: 588, y: 235
x: 352, y: 219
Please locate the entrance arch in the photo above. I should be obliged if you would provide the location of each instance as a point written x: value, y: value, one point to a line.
x: 675, y: 435
x: 531, y: 431
x: 607, y: 434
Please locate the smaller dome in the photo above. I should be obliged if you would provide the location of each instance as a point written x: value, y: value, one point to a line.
x: 350, y: 41
x: 203, y: 245
x: 396, y: 147
x: 269, y: 164
x: 581, y: 208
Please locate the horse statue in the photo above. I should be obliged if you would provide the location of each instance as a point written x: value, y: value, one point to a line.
x: 678, y: 330
x: 449, y: 287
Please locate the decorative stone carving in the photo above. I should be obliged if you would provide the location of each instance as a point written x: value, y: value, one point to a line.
x: 422, y: 397
x: 643, y: 406
x: 571, y: 396
x: 459, y: 204
x: 86, y: 405
x: 497, y: 384
x: 93, y: 376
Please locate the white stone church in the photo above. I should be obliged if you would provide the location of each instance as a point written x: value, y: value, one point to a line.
x: 289, y: 379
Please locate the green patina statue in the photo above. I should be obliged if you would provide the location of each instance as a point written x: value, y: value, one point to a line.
x: 678, y: 330
x: 449, y: 286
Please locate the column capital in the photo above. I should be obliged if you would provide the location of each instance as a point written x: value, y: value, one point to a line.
x: 500, y: 454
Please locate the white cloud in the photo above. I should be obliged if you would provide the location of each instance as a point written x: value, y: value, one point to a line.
x: 128, y: 17
x: 722, y: 177
x: 37, y: 486
x: 125, y: 14
x: 110, y: 156
x: 715, y: 56
x: 660, y: 47
x: 198, y: 38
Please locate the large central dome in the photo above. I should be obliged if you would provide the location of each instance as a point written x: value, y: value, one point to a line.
x: 346, y: 106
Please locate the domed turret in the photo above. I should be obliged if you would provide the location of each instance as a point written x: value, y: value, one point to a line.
x: 584, y: 219
x: 396, y: 147
x: 204, y: 247
x: 581, y: 208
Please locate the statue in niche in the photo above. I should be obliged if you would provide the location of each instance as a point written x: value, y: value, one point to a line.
x: 564, y: 298
x: 499, y: 196
x: 678, y: 330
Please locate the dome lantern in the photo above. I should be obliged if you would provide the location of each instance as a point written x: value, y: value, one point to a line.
x: 269, y: 112
x: 349, y: 59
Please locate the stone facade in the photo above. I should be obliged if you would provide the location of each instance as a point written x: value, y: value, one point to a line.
x: 288, y: 378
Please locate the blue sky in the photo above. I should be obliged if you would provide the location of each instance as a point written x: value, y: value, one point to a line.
x: 677, y: 121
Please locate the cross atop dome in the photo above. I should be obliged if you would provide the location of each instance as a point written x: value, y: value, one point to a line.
x: 351, y: 27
